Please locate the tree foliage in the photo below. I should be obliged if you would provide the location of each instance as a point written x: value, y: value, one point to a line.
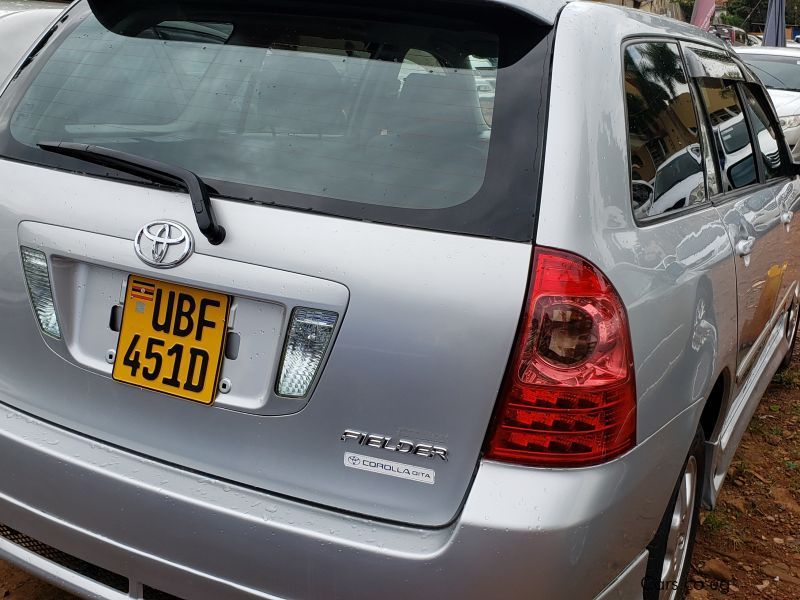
x: 746, y: 13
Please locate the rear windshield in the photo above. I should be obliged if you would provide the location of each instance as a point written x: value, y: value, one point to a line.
x: 387, y: 117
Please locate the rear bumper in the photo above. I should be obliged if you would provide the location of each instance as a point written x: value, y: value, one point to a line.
x: 563, y: 534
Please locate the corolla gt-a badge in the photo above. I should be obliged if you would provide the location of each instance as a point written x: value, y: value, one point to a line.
x: 163, y: 244
x: 374, y: 440
x: 389, y: 467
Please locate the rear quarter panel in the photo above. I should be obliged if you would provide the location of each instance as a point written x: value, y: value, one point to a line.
x: 676, y: 277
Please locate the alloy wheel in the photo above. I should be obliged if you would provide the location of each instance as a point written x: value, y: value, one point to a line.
x: 675, y: 558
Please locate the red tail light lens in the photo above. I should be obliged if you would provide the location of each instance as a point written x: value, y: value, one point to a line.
x: 569, y: 396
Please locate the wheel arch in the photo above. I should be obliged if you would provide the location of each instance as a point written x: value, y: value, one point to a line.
x: 711, y: 422
x: 711, y: 418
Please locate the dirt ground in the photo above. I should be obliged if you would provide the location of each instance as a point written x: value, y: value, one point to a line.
x: 18, y: 585
x: 748, y: 547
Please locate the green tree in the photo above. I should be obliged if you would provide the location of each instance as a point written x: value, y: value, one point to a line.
x: 732, y: 19
x: 793, y: 12
x: 743, y: 13
x: 687, y: 6
x: 747, y: 14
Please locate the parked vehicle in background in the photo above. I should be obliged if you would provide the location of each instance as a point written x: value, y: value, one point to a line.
x: 20, y: 30
x: 779, y: 70
x: 754, y: 40
x: 14, y: 6
x: 333, y: 300
x: 673, y: 185
x: 735, y: 36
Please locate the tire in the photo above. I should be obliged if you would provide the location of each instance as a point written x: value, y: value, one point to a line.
x: 791, y: 335
x: 671, y: 548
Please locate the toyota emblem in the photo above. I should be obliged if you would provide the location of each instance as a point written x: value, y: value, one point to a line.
x: 163, y: 244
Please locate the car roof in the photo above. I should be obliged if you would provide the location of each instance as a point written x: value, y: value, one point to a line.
x: 547, y: 11
x: 544, y: 10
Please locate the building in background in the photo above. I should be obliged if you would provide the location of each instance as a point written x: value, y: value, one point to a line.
x: 670, y: 8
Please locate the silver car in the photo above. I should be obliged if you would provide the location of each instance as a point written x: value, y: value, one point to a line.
x: 292, y: 308
x: 779, y: 71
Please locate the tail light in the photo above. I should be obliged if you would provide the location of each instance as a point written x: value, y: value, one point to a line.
x: 569, y: 395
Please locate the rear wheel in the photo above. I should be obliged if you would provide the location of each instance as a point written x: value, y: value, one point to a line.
x: 791, y: 334
x: 671, y: 548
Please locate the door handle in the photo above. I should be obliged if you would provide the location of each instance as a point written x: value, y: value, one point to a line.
x: 787, y: 217
x: 745, y: 247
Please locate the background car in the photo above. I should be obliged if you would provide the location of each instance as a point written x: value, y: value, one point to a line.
x: 735, y: 36
x: 779, y: 70
x: 20, y: 30
x: 673, y: 188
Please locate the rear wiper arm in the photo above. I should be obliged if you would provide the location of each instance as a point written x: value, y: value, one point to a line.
x: 153, y: 170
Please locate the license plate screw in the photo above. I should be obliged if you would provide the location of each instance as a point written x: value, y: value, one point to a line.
x: 225, y: 385
x: 110, y: 356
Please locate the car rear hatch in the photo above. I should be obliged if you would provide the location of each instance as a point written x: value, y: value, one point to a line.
x: 375, y: 170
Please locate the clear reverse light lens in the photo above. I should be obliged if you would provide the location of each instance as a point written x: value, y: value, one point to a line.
x: 310, y: 332
x: 37, y: 276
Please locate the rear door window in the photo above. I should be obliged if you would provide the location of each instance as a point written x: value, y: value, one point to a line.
x: 666, y: 159
x: 773, y: 159
x: 731, y: 136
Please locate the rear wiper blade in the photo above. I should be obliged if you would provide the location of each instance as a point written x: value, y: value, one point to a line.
x: 153, y: 170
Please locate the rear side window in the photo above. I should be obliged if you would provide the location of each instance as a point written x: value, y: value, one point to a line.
x: 765, y: 135
x: 729, y: 129
x: 394, y: 117
x: 666, y: 159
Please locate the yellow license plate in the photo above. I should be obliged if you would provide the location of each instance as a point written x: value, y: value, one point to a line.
x: 171, y: 339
